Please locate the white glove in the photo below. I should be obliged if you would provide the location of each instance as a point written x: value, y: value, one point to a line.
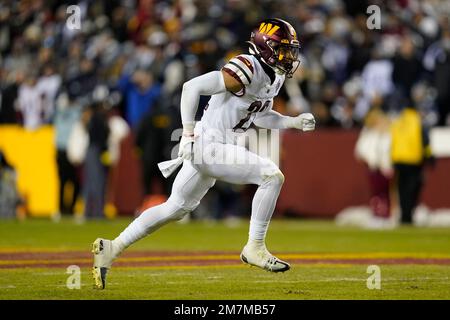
x: 304, y: 121
x: 186, y: 147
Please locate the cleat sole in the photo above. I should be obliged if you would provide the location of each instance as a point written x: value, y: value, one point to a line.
x: 99, y: 276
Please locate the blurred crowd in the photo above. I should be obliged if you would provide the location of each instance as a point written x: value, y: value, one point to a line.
x: 123, y: 69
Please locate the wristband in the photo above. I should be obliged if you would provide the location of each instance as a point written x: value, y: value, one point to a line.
x: 188, y: 128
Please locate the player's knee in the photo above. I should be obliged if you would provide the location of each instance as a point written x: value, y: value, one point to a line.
x: 279, y: 177
x: 276, y: 178
x: 178, y: 211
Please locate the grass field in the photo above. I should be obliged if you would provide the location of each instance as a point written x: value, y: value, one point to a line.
x: 200, y: 260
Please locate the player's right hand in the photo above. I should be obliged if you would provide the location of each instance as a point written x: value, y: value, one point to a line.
x: 186, y: 148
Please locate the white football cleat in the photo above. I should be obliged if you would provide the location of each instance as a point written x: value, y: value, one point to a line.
x: 103, y: 258
x: 260, y: 257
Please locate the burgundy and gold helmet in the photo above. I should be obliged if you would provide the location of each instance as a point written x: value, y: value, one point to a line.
x: 275, y: 42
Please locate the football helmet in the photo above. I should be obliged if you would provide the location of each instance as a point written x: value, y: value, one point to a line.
x: 275, y: 42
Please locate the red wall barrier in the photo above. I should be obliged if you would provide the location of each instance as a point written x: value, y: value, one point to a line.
x: 436, y: 192
x: 322, y: 176
x: 127, y: 191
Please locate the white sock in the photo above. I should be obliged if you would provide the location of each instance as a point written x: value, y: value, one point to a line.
x: 257, y: 231
x: 149, y: 221
x: 263, y: 205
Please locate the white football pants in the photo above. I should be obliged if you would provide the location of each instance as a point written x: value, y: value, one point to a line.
x: 226, y: 162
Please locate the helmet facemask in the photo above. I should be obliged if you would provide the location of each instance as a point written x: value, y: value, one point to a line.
x: 285, y: 57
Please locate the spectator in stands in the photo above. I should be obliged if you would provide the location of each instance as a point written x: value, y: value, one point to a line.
x: 19, y: 58
x: 97, y: 161
x: 83, y: 79
x: 119, y: 24
x: 9, y: 196
x: 373, y: 148
x: 410, y: 149
x: 68, y: 112
x: 407, y: 68
x: 437, y: 60
x: 376, y: 80
x: 152, y: 135
x: 30, y: 103
x: 48, y: 86
x: 140, y: 93
x: 9, y: 87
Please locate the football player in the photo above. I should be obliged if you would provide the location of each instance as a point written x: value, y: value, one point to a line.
x: 242, y: 93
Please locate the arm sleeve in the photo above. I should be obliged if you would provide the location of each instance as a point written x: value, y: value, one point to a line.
x: 206, y: 85
x: 273, y: 120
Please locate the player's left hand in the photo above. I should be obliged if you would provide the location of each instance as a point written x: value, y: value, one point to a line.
x: 305, y: 122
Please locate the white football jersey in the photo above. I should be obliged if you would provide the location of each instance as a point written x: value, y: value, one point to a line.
x: 235, y: 112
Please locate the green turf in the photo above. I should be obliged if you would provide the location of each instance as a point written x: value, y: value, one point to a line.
x: 240, y: 282
x: 302, y: 282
